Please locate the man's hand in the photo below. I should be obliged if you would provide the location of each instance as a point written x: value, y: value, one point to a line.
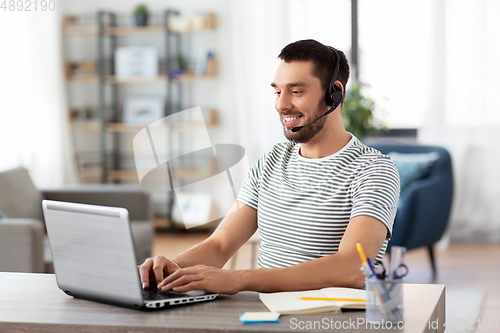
x: 203, y: 277
x: 156, y: 270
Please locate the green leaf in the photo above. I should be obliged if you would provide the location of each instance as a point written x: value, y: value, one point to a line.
x: 357, y: 112
x: 141, y: 9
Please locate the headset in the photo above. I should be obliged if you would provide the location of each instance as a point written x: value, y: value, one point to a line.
x: 333, y: 95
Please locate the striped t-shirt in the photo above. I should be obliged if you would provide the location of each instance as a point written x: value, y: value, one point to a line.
x: 304, y: 205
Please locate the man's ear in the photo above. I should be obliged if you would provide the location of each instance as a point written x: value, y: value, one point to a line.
x: 340, y: 85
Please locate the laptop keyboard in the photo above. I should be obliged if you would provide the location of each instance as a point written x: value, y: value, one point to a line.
x: 156, y: 294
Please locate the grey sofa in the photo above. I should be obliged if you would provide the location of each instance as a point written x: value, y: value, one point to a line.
x: 23, y: 242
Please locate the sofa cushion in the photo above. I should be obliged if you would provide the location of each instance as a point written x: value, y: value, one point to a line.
x: 19, y: 196
x: 21, y: 245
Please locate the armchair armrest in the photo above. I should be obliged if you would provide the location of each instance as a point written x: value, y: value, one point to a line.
x: 133, y: 198
x: 21, y: 245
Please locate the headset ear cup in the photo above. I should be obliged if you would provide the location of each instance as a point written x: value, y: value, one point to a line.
x: 337, y: 97
x: 334, y: 96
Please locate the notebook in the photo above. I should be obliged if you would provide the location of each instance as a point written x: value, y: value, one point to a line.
x: 292, y: 303
x: 94, y: 257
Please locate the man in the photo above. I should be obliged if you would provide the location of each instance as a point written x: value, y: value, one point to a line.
x: 312, y: 198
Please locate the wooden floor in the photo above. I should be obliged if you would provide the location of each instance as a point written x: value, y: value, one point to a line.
x: 460, y: 265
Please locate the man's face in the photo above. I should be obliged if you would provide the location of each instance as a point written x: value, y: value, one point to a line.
x: 299, y: 99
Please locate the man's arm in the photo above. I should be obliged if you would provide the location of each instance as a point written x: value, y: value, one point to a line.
x: 340, y: 269
x: 236, y: 228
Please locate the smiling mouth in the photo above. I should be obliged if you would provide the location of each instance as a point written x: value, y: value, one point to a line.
x: 290, y: 121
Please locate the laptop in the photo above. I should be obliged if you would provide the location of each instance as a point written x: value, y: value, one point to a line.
x: 94, y: 257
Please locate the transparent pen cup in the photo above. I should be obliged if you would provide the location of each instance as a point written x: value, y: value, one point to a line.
x: 384, y: 300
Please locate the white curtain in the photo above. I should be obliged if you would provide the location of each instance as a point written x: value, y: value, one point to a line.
x: 463, y: 111
x: 33, y: 126
x: 254, y: 33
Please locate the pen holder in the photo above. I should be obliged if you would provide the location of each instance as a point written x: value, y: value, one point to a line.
x: 384, y: 300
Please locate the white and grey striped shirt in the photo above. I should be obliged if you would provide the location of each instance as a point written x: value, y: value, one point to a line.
x: 304, y: 205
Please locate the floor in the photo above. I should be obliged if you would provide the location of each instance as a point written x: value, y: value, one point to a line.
x: 459, y: 265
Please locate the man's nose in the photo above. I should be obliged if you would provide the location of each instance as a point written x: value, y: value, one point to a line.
x: 283, y: 102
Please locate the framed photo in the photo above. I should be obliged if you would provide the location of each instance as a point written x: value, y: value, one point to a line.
x: 133, y: 62
x: 143, y: 109
x: 192, y: 209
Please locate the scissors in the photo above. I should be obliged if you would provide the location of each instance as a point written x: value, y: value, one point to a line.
x: 400, y: 272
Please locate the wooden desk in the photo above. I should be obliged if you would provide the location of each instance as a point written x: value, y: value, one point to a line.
x: 34, y: 303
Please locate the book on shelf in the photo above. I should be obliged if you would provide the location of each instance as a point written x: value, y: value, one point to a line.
x: 292, y: 303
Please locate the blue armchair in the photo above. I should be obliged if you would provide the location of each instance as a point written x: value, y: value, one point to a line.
x: 425, y: 205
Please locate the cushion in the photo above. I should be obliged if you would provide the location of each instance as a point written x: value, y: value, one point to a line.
x: 19, y: 196
x: 413, y: 166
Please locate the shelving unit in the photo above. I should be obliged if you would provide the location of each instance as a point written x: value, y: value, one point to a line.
x: 107, y: 161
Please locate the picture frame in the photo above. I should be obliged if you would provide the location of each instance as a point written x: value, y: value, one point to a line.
x: 192, y: 209
x: 136, y: 62
x: 143, y: 109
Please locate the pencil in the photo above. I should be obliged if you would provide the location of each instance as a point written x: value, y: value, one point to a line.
x: 333, y: 299
x: 362, y: 254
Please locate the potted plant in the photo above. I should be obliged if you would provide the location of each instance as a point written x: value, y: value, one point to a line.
x: 88, y: 111
x: 141, y: 14
x: 357, y: 113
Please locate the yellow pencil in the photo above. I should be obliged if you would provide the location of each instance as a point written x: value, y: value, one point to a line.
x: 362, y: 254
x: 333, y: 299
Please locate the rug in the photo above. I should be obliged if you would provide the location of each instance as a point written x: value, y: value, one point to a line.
x: 463, y: 308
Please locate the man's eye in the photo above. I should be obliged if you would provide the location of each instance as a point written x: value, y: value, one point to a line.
x: 295, y: 92
x: 277, y: 93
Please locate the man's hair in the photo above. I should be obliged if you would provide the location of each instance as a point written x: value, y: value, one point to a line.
x: 322, y: 56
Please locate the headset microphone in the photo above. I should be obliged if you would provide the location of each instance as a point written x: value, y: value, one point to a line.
x: 333, y: 95
x: 296, y: 129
